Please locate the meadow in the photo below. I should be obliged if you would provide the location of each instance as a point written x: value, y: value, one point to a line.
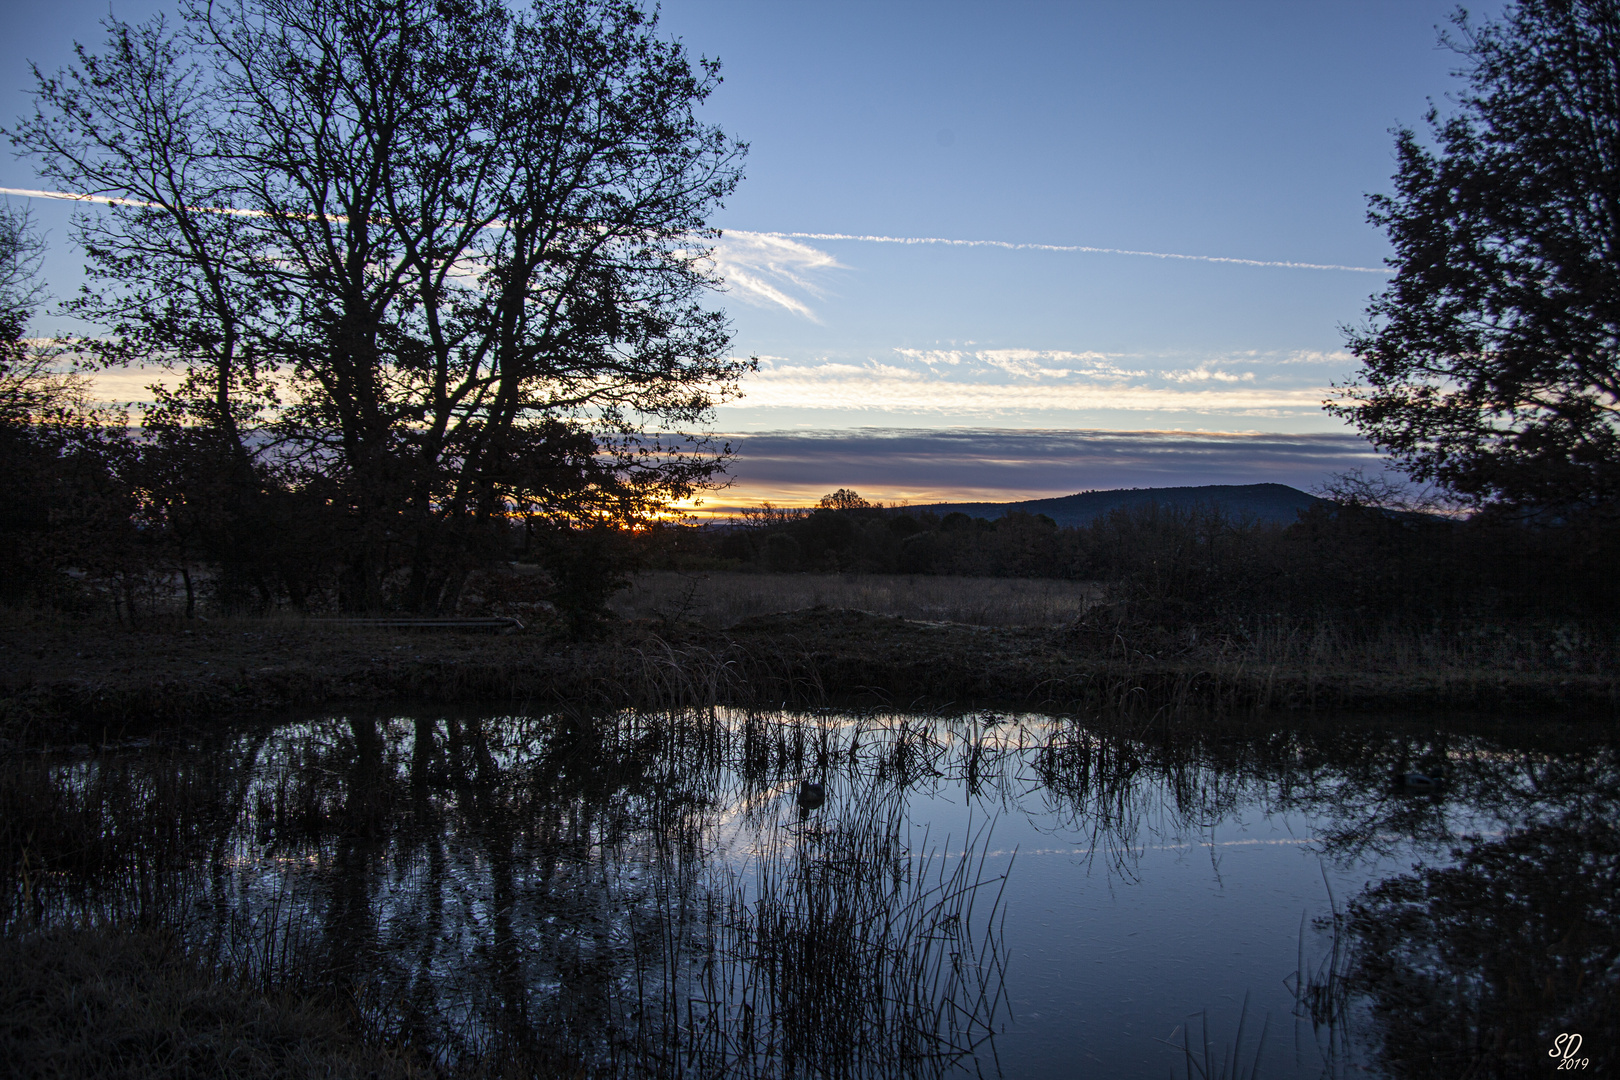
x: 719, y: 599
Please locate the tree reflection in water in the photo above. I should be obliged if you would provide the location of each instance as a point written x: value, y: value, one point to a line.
x: 625, y: 895
x: 1507, y: 934
x: 639, y: 894
x: 1474, y: 969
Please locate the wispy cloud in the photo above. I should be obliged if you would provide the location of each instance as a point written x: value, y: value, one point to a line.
x: 759, y: 268
x: 768, y: 270
x: 1011, y: 381
x: 879, y: 388
x: 1336, y: 358
x: 1042, y: 364
x: 1205, y: 373
x: 933, y: 358
x: 777, y: 269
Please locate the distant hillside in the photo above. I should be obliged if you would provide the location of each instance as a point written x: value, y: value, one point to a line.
x: 1263, y: 502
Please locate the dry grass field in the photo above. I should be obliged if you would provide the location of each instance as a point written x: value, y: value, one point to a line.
x: 723, y: 598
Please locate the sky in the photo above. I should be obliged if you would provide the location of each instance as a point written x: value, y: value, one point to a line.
x: 1229, y: 146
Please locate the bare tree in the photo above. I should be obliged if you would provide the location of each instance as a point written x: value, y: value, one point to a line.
x: 441, y: 258
x: 29, y: 386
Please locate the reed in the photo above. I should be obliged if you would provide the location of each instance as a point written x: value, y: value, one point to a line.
x: 1204, y: 1062
x: 706, y: 966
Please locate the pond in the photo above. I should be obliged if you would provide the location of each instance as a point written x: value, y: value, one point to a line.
x: 730, y: 893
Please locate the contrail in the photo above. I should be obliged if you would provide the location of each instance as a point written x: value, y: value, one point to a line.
x: 1005, y: 244
x: 1008, y: 245
x: 113, y: 200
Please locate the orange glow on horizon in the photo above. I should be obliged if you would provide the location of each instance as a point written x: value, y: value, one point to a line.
x: 742, y: 495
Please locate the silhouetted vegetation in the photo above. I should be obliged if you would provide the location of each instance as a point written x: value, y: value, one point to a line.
x: 455, y: 289
x: 1488, y: 362
x: 70, y: 510
x: 1346, y: 559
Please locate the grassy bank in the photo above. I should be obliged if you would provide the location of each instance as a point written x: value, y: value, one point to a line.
x: 65, y: 680
x: 120, y: 1003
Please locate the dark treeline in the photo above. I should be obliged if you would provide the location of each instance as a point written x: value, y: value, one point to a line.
x: 1344, y: 558
x: 99, y: 518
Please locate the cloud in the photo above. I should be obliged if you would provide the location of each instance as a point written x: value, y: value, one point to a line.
x: 1338, y: 357
x: 766, y: 270
x: 989, y: 464
x: 877, y: 387
x: 760, y: 268
x: 1035, y: 363
x: 995, y: 385
x: 934, y: 357
x: 790, y: 236
x: 1205, y: 373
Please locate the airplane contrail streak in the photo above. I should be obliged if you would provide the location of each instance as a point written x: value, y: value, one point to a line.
x: 113, y: 200
x: 1010, y: 246
x: 865, y: 239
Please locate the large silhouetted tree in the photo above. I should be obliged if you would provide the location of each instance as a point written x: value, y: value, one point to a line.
x: 1491, y: 363
x: 439, y: 260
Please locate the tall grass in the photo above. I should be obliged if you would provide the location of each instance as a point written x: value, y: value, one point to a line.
x: 94, y: 1004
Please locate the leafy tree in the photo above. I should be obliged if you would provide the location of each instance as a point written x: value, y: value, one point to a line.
x: 444, y: 258
x: 1491, y: 362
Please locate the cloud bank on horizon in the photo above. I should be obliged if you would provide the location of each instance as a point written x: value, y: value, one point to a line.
x: 1002, y: 465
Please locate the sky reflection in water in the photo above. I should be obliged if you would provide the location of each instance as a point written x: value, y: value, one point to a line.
x: 480, y: 881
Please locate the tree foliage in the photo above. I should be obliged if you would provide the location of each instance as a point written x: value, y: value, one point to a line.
x: 426, y: 264
x: 1491, y: 362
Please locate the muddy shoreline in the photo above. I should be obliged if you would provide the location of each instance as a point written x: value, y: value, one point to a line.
x: 63, y: 681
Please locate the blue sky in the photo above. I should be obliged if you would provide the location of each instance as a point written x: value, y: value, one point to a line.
x: 1248, y: 131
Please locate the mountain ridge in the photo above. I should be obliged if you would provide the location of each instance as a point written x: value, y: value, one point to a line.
x: 1263, y: 502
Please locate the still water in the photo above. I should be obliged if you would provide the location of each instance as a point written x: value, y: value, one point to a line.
x: 870, y: 894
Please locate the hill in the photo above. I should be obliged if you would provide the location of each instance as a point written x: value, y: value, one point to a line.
x: 1262, y: 502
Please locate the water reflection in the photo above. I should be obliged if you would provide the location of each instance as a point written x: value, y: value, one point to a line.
x: 1475, y: 968
x: 718, y: 893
